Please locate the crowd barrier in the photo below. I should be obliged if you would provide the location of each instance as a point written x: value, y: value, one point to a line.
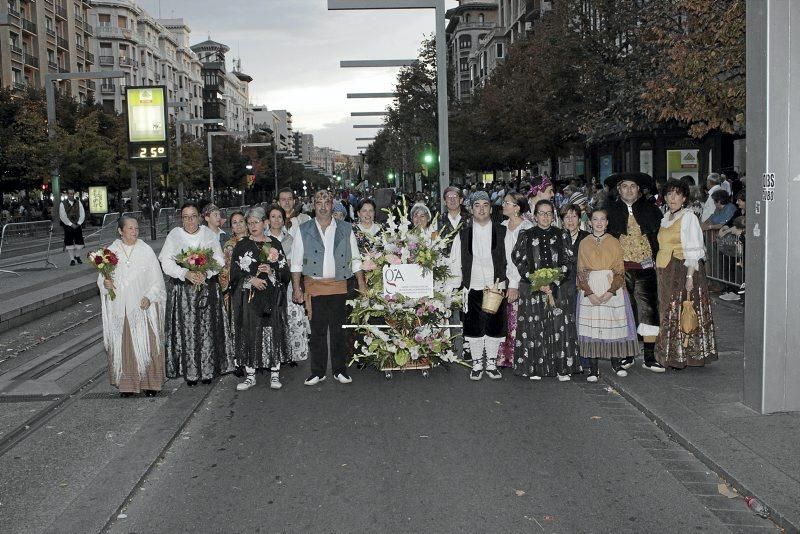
x: 166, y: 220
x: 725, y: 258
x: 107, y: 231
x: 27, y: 237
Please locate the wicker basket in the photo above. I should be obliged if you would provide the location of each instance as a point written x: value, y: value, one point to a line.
x: 492, y: 298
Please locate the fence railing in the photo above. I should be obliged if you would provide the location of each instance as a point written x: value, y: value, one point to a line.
x: 107, y: 231
x: 725, y: 258
x: 166, y: 220
x: 26, y: 238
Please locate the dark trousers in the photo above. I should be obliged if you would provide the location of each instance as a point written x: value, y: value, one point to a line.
x: 642, y: 285
x: 328, y: 314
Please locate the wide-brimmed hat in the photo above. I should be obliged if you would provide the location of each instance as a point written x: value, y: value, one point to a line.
x: 643, y: 180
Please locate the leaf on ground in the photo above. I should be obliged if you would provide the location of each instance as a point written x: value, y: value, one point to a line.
x: 727, y: 491
x: 122, y: 516
x: 519, y: 493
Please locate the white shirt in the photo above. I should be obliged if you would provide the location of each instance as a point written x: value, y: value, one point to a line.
x: 482, y: 274
x: 455, y: 221
x: 709, y: 208
x: 726, y: 186
x: 178, y: 240
x: 328, y: 262
x: 511, y: 240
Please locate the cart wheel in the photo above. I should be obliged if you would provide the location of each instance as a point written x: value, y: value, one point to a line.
x: 388, y: 375
x: 426, y: 373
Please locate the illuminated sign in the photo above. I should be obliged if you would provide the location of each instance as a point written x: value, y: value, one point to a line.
x: 98, y: 199
x: 148, y: 131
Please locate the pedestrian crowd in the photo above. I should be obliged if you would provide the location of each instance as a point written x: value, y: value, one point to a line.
x: 624, y: 269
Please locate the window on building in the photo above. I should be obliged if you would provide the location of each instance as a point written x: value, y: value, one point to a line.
x: 481, y: 18
x: 51, y: 56
x: 104, y: 19
x: 80, y: 67
x: 466, y: 86
x: 16, y: 75
x: 499, y: 50
x: 108, y: 106
x: 13, y: 40
x: 77, y: 11
x: 48, y: 23
x: 13, y: 6
x: 464, y: 65
x: 466, y: 18
x: 122, y: 21
x: 465, y: 41
x: 79, y: 39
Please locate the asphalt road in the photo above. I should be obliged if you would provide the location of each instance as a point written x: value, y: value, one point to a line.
x: 441, y: 454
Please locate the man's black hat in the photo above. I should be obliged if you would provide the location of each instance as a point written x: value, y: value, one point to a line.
x: 643, y: 180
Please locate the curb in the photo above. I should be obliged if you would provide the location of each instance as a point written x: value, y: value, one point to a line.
x: 35, y: 310
x: 778, y: 518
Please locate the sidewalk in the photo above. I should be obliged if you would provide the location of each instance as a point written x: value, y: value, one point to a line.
x: 701, y: 408
x: 39, y: 291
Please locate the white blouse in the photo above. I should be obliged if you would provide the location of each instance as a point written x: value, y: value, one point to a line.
x: 511, y: 240
x: 178, y: 240
x: 692, y: 243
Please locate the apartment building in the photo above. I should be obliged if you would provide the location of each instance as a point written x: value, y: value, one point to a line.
x: 284, y: 131
x: 48, y: 36
x: 324, y: 158
x: 189, y: 87
x: 226, y: 95
x: 468, y: 23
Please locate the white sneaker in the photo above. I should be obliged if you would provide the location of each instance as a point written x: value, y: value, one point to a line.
x: 535, y: 377
x: 494, y: 374
x: 731, y: 297
x: 564, y: 378
x: 591, y: 378
x: 249, y: 382
x: 622, y: 372
x: 275, y: 380
x: 342, y: 378
x: 313, y: 380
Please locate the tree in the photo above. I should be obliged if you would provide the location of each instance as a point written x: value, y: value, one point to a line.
x: 24, y: 149
x: 700, y: 76
x: 85, y: 156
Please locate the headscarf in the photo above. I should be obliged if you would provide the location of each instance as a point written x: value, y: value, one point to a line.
x: 478, y: 195
x: 541, y: 188
x: 578, y: 198
x: 338, y: 206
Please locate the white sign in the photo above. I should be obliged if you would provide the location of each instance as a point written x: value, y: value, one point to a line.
x: 768, y: 186
x: 407, y: 280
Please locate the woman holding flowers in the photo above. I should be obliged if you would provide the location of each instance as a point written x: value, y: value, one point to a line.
x: 133, y: 299
x: 606, y: 327
x: 546, y: 343
x: 239, y: 230
x: 259, y: 277
x: 197, y: 343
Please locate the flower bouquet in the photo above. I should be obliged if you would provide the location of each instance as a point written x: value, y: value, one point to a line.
x: 197, y: 260
x: 544, y: 277
x: 105, y: 261
x: 266, y: 254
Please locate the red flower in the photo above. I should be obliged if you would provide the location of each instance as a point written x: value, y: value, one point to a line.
x: 200, y: 261
x: 98, y: 259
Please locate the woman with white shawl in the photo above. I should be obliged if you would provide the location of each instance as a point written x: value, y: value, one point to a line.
x: 133, y: 321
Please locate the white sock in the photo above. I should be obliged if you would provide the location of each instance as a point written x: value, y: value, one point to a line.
x: 492, y: 348
x: 476, y: 347
x: 249, y: 370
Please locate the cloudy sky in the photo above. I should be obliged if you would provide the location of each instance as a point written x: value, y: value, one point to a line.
x: 292, y: 49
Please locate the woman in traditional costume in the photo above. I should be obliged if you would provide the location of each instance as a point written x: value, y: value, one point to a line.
x: 606, y: 327
x: 133, y: 321
x: 542, y: 189
x: 682, y: 287
x: 197, y: 342
x: 259, y: 278
x: 572, y: 218
x: 546, y: 343
x: 515, y: 206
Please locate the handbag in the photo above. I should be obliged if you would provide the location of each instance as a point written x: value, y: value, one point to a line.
x: 688, y: 320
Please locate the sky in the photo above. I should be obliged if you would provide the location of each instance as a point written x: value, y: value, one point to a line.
x: 292, y: 49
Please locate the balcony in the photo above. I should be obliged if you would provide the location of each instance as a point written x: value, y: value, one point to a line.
x: 15, y: 50
x: 107, y: 61
x: 108, y: 88
x: 89, y: 57
x: 51, y: 33
x: 49, y: 3
x: 78, y: 17
x: 63, y: 68
x: 29, y: 26
x: 20, y: 85
x: 91, y: 85
x: 61, y: 12
x: 88, y: 28
x: 127, y: 62
x: 62, y: 43
x: 79, y: 47
x: 14, y: 13
x: 32, y: 61
x: 113, y: 32
x: 52, y: 66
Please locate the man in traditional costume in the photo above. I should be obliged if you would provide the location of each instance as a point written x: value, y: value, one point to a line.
x: 635, y: 222
x: 482, y: 264
x: 451, y: 223
x: 324, y: 256
x: 72, y: 216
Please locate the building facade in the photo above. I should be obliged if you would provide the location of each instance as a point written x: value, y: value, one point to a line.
x: 37, y: 38
x: 188, y: 70
x: 469, y: 23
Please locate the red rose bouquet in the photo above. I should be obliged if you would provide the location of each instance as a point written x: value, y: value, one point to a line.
x: 197, y: 260
x: 105, y: 261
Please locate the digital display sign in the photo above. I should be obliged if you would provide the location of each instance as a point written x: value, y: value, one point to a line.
x: 148, y: 126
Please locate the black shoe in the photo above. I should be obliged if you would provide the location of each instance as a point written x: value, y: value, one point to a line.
x: 72, y: 263
x: 206, y: 381
x: 78, y: 259
x: 126, y: 395
x: 191, y: 383
x: 292, y: 364
x: 150, y: 393
x: 653, y: 366
x: 626, y: 363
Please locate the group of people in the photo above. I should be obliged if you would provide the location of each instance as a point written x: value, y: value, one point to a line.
x: 278, y: 295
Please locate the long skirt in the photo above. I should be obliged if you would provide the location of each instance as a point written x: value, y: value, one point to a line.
x: 130, y: 381
x: 298, y: 328
x: 593, y: 342
x: 546, y: 343
x: 505, y: 356
x: 261, y: 337
x: 198, y: 344
x: 674, y: 348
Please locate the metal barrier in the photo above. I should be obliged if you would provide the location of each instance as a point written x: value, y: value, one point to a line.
x: 725, y: 258
x: 106, y: 234
x: 17, y: 237
x: 166, y: 220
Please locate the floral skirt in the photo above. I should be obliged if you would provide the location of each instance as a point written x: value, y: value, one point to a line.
x: 505, y: 357
x: 674, y: 348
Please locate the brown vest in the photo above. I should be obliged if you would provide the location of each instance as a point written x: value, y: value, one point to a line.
x: 73, y: 212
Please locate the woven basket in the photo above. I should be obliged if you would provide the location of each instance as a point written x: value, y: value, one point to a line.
x: 492, y: 298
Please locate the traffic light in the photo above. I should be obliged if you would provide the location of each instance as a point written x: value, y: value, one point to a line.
x: 428, y: 158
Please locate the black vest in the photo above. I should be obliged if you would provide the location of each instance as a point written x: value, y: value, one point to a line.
x: 498, y: 252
